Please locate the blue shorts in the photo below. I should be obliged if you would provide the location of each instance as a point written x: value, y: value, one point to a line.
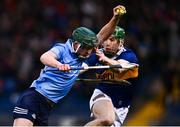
x: 33, y: 106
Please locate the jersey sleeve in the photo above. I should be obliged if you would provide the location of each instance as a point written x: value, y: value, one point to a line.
x: 92, y: 60
x: 129, y: 56
x: 58, y: 49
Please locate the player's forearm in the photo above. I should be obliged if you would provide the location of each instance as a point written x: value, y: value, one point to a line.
x: 108, y: 29
x: 109, y: 61
x: 48, y: 59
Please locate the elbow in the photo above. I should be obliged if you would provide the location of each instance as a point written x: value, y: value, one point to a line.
x: 134, y: 73
x: 42, y: 58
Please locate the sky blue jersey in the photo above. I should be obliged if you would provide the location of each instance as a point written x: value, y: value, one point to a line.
x: 55, y: 84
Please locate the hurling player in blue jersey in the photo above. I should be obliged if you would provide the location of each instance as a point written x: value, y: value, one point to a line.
x: 55, y: 81
x: 110, y: 103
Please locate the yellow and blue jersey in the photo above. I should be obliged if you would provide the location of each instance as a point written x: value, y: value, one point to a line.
x: 55, y: 84
x: 121, y: 95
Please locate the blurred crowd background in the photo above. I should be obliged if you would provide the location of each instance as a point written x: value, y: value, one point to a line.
x: 28, y: 28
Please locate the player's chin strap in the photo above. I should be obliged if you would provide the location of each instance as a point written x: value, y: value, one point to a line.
x: 77, y: 48
x: 81, y: 57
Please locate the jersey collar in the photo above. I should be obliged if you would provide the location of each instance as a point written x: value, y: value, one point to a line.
x: 70, y: 45
x: 122, y: 49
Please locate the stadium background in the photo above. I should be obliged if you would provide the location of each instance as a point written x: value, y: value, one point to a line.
x: 29, y: 27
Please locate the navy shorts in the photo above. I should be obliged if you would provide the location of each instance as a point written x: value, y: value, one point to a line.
x: 33, y: 106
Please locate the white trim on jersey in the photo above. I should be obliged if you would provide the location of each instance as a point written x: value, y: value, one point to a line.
x: 122, y: 49
x: 19, y: 110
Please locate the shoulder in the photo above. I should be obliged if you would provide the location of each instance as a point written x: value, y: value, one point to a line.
x: 59, y: 44
x: 58, y: 48
x: 62, y: 45
x: 129, y: 55
x: 129, y: 52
